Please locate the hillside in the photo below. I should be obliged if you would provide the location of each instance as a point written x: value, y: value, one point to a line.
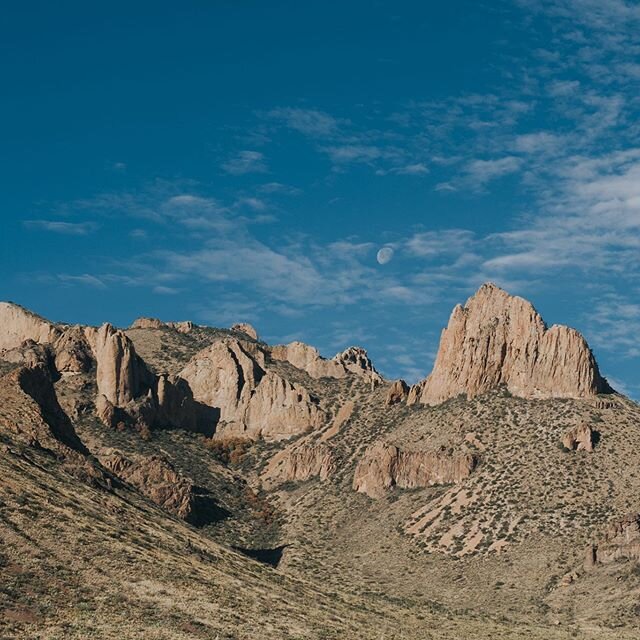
x: 176, y: 481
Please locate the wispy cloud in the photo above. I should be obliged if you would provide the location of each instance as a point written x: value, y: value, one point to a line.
x: 246, y: 161
x: 59, y: 226
x: 309, y: 122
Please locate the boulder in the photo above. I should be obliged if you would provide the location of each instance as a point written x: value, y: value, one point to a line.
x: 579, y: 438
x: 498, y: 339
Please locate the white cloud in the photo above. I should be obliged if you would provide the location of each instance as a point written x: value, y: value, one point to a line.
x: 310, y: 122
x: 245, y: 162
x: 59, y: 226
x: 480, y: 172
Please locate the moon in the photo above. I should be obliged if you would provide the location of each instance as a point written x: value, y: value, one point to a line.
x: 384, y: 255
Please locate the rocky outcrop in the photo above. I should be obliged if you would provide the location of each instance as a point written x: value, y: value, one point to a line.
x: 121, y: 374
x: 384, y: 466
x: 18, y: 324
x: 415, y: 392
x: 176, y: 407
x: 579, y: 438
x: 155, y: 478
x: 36, y: 382
x: 231, y: 375
x: 184, y: 326
x: 498, y: 339
x: 129, y: 393
x: 73, y: 353
x: 343, y: 415
x: 246, y: 328
x: 353, y: 360
x: 620, y: 541
x: 147, y: 323
x: 29, y: 354
x: 31, y: 415
x: 398, y: 392
x: 308, y: 359
x: 356, y: 360
x: 300, y: 463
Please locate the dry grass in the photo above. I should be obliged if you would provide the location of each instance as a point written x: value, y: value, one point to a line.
x: 481, y: 559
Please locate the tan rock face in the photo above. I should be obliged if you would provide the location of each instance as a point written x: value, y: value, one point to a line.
x: 153, y: 323
x: 356, y: 360
x: 343, y: 415
x: 415, y: 392
x: 36, y: 382
x: 384, y: 466
x: 18, y: 324
x: 579, y: 438
x: 353, y: 360
x: 147, y: 323
x: 184, y: 326
x: 499, y: 339
x: 155, y: 478
x: 246, y: 328
x: 72, y: 351
x: 621, y: 540
x: 121, y: 375
x: 308, y: 359
x: 176, y: 407
x: 231, y: 375
x: 398, y: 392
x: 300, y: 463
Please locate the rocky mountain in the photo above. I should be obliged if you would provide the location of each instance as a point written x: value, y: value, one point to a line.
x: 176, y: 480
x: 495, y: 339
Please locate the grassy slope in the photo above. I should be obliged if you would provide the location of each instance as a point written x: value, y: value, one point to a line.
x: 81, y: 562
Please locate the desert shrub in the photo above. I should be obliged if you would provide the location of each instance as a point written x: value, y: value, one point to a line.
x: 228, y: 450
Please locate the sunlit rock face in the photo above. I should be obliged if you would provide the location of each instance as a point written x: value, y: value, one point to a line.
x: 498, y: 339
x: 18, y: 324
x: 384, y: 466
x: 255, y: 402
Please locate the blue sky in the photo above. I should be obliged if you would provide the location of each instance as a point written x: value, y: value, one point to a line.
x: 245, y: 161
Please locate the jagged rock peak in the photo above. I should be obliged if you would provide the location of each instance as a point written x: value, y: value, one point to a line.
x: 254, y: 401
x: 18, y: 324
x: 353, y: 360
x: 499, y: 339
x: 356, y: 360
x: 308, y: 359
x: 246, y: 328
x: 121, y: 374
